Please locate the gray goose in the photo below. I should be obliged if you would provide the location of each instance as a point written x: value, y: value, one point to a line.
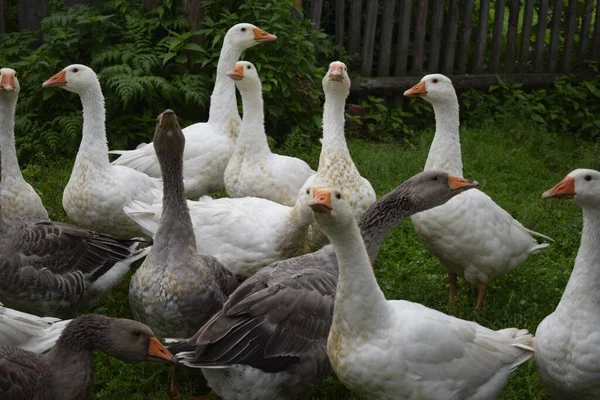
x: 67, y: 371
x: 272, y: 332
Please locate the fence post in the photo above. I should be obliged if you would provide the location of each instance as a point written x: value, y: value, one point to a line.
x: 387, y: 29
x: 354, y: 28
x: 31, y: 13
x: 452, y: 31
x: 497, y: 36
x: 482, y: 28
x: 596, y: 41
x: 195, y: 13
x: 419, y: 42
x: 540, y: 39
x: 2, y: 25
x: 315, y: 13
x: 585, y: 30
x: 466, y: 37
x: 369, y: 42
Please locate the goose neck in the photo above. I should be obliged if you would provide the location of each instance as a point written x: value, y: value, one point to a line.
x: 333, y: 123
x: 253, y: 139
x: 445, y: 152
x: 94, y: 147
x: 223, y: 103
x: 10, y: 163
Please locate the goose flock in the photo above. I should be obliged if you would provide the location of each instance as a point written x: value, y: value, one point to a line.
x: 269, y: 290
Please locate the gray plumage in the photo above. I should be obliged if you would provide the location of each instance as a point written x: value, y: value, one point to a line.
x: 277, y: 322
x: 176, y: 290
x: 67, y: 371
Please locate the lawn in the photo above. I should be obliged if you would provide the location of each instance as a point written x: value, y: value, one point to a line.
x: 514, y: 163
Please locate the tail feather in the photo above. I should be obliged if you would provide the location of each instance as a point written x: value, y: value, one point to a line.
x: 142, y: 159
x: 522, y: 340
x: 537, y: 234
x: 143, y: 215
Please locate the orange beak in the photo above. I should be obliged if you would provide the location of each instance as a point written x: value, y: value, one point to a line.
x: 236, y: 73
x: 336, y: 73
x: 158, y: 352
x: 8, y: 82
x: 564, y: 189
x: 59, y: 79
x: 263, y: 36
x: 417, y: 90
x: 460, y: 184
x: 321, y: 201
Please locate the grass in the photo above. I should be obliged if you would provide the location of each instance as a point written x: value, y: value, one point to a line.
x: 514, y: 164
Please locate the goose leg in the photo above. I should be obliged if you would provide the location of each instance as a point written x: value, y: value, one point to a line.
x: 481, y: 294
x: 175, y: 389
x: 453, y: 288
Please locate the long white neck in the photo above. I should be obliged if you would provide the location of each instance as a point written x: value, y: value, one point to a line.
x: 445, y: 154
x: 94, y: 147
x: 334, y: 140
x: 253, y: 139
x: 582, y: 290
x: 223, y: 104
x: 359, y: 302
x: 10, y: 164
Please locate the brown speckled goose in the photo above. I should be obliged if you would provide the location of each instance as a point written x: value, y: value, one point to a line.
x: 67, y: 371
x: 270, y: 339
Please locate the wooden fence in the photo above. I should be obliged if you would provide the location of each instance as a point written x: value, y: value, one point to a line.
x: 529, y: 41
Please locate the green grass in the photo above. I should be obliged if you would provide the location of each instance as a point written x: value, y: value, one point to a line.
x: 514, y: 165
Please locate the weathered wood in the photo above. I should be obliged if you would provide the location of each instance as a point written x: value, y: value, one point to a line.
x: 451, y: 32
x: 584, y: 33
x: 511, y: 36
x: 554, y: 36
x: 31, y: 13
x: 339, y: 22
x: 354, y: 26
x: 316, y: 11
x: 403, y: 37
x: 540, y: 39
x: 497, y: 36
x: 569, y: 36
x: 2, y: 23
x: 525, y: 35
x: 366, y: 67
x: 596, y: 42
x: 194, y: 10
x: 482, y: 28
x: 399, y: 84
x: 69, y: 3
x: 387, y: 30
x: 149, y: 5
x: 437, y: 21
x: 419, y: 42
x: 466, y: 37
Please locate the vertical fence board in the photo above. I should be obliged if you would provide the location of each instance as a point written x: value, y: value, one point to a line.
x: 339, y: 22
x: 437, y: 21
x: 540, y: 38
x: 584, y: 33
x: 315, y: 13
x: 387, y: 30
x: 2, y: 24
x: 482, y: 29
x: 525, y: 35
x: 511, y: 36
x: 31, y: 13
x: 466, y: 37
x: 354, y: 26
x: 497, y: 36
x: 554, y: 36
x: 596, y: 42
x: 194, y: 10
x: 452, y: 30
x: 403, y: 38
x: 569, y: 36
x: 419, y: 42
x: 369, y: 41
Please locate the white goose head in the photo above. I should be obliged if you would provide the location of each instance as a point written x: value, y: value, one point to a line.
x: 336, y: 80
x: 245, y: 75
x: 76, y: 78
x: 581, y: 185
x: 433, y: 88
x: 243, y: 36
x: 9, y: 84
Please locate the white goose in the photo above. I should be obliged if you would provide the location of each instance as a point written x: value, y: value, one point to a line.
x: 490, y: 241
x: 395, y: 349
x: 567, y: 343
x: 19, y: 199
x: 336, y: 168
x: 253, y: 170
x: 97, y: 191
x: 209, y: 145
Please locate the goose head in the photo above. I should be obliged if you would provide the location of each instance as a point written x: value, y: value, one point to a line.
x: 336, y: 79
x: 168, y: 136
x: 331, y: 209
x: 9, y: 84
x: 243, y: 36
x: 245, y: 75
x: 76, y: 78
x: 430, y: 189
x: 582, y: 186
x: 433, y: 88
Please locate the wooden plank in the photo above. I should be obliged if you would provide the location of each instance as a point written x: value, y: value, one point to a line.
x: 315, y: 13
x: 369, y: 42
x: 355, y: 23
x: 387, y: 30
x: 437, y: 23
x: 596, y: 42
x: 339, y: 22
x: 497, y: 36
x: 419, y: 42
x: 569, y: 39
x: 2, y: 23
x: 399, y: 84
x: 526, y: 35
x: 451, y: 32
x: 403, y: 37
x: 540, y: 38
x: 584, y: 33
x: 31, y: 13
x: 511, y: 36
x: 149, y: 5
x: 480, y: 44
x: 466, y: 37
x: 554, y: 35
x: 195, y: 13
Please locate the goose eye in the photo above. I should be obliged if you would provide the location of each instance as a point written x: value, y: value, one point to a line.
x: 338, y: 196
x: 249, y: 67
x: 435, y: 80
x: 307, y: 191
x: 137, y: 333
x: 243, y: 29
x: 75, y: 70
x: 588, y: 178
x: 435, y: 178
